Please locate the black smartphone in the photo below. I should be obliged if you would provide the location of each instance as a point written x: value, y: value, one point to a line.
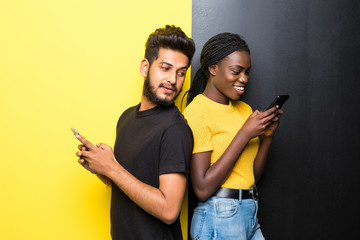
x: 279, y: 100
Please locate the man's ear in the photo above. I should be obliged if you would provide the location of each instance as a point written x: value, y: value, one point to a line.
x: 213, y: 69
x: 144, y: 67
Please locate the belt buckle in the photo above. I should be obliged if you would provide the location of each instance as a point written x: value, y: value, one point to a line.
x: 253, y: 191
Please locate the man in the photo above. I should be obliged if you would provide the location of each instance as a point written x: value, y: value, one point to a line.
x: 149, y: 165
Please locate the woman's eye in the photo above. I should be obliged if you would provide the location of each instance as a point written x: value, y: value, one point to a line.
x: 236, y: 72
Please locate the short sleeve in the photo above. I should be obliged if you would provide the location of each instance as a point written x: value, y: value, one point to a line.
x: 201, y: 131
x: 176, y: 148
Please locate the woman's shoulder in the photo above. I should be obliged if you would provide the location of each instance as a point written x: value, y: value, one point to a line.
x: 197, y: 106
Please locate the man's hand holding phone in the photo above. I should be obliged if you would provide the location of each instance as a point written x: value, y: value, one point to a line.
x: 97, y: 158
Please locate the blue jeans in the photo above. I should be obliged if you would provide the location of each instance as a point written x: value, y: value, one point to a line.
x: 226, y: 218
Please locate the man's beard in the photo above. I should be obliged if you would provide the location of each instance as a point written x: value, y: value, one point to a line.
x: 150, y: 94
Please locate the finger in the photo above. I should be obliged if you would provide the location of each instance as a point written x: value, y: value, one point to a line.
x: 86, y: 166
x: 256, y: 112
x: 271, y: 110
x: 275, y: 119
x: 82, y: 147
x: 279, y: 112
x: 269, y: 119
x: 103, y: 146
x: 86, y: 143
x: 83, y: 154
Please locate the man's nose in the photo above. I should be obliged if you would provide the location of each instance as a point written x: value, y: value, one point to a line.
x: 172, y: 78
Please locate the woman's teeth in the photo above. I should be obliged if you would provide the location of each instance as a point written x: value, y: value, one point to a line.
x: 239, y: 88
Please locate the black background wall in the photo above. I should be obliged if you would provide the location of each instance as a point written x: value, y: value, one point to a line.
x: 310, y: 50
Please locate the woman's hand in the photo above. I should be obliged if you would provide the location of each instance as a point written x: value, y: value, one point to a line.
x: 258, y: 122
x: 271, y: 129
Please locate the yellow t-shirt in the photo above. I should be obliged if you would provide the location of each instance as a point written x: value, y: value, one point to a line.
x: 214, y: 126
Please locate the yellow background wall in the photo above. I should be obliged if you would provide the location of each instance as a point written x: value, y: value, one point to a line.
x: 62, y: 64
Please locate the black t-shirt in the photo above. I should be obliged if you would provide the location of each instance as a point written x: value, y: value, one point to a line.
x: 148, y: 143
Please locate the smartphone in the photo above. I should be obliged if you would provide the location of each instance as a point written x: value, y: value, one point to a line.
x: 76, y: 132
x: 279, y: 100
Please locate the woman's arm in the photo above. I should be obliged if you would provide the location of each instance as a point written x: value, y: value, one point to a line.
x: 265, y: 142
x: 207, y: 179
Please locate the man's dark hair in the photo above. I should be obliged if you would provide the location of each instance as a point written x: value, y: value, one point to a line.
x: 215, y: 49
x: 169, y: 37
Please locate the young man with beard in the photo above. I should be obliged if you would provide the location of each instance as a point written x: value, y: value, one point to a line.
x: 149, y: 165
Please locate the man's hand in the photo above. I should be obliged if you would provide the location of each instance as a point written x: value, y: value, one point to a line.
x: 163, y: 203
x: 97, y: 159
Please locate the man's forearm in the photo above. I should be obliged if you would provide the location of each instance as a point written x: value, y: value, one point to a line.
x: 156, y: 201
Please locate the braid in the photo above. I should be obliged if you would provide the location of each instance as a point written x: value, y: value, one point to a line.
x: 214, y: 50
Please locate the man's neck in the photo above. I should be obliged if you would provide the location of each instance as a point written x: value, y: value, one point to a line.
x: 145, y: 104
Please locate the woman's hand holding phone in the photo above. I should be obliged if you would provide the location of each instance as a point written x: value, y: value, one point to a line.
x: 271, y: 129
x: 278, y: 101
x: 258, y: 121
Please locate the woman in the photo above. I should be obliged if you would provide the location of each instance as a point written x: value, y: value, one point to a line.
x: 228, y: 156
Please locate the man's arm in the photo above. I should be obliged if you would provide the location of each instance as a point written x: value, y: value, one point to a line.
x: 102, y: 178
x: 163, y: 203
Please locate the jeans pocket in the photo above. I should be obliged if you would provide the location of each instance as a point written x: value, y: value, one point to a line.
x: 197, y: 223
x: 225, y: 208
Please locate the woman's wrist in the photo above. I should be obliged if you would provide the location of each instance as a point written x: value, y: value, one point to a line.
x: 265, y: 137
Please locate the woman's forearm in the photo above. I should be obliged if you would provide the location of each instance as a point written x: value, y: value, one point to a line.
x: 207, y: 179
x: 260, y: 160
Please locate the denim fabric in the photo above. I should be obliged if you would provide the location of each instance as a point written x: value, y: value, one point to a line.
x: 226, y: 218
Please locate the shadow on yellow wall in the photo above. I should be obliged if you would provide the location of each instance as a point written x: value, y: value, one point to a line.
x: 64, y: 64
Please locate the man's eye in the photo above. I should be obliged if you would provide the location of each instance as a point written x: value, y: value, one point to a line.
x: 181, y: 74
x: 165, y: 68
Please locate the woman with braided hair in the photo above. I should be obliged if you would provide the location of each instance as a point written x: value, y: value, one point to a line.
x: 231, y: 142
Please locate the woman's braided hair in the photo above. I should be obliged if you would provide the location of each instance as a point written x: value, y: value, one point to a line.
x: 214, y: 50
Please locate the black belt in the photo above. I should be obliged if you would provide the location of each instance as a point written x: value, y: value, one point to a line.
x: 235, y: 193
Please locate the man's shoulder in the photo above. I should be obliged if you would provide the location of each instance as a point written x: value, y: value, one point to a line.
x: 128, y: 113
x: 130, y: 110
x: 173, y: 115
x: 174, y: 119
